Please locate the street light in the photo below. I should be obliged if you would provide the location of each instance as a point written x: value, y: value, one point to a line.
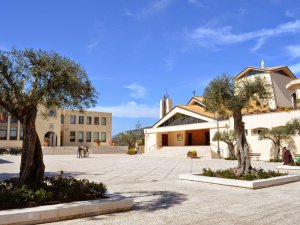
x: 218, y: 150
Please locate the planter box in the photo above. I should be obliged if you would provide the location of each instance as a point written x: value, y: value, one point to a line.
x: 254, y: 184
x: 64, y: 211
x: 285, y: 168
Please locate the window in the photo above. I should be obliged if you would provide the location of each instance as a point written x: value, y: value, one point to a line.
x: 13, y: 133
x: 3, y: 133
x: 88, y: 136
x: 96, y: 120
x: 13, y: 120
x: 96, y: 136
x: 88, y: 120
x: 80, y: 136
x: 257, y: 131
x: 103, y: 121
x: 103, y: 136
x: 73, y: 119
x: 62, y: 119
x: 72, y: 136
x: 81, y: 120
x: 52, y: 113
x: 21, y: 133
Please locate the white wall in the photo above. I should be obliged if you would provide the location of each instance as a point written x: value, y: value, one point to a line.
x: 282, y: 95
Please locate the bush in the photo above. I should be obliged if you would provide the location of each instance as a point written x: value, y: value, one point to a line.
x: 52, y: 190
x: 230, y: 158
x: 229, y: 174
x: 192, y: 154
x: 131, y: 151
x: 276, y: 160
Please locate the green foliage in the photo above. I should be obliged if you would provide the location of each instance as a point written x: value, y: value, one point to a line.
x: 29, y: 78
x: 131, y: 151
x: 230, y: 174
x: 129, y: 138
x: 230, y: 158
x: 192, y: 154
x: 52, y: 189
x: 276, y: 134
x: 294, y: 126
x: 223, y: 95
x: 225, y: 136
x: 276, y: 160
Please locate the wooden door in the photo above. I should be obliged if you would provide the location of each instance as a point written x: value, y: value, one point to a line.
x: 165, y: 141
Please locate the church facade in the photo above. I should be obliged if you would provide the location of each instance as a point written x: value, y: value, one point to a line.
x: 191, y: 125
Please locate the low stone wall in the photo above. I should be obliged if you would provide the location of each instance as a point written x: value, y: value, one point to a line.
x: 72, y: 150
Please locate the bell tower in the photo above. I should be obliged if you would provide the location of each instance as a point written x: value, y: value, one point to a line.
x: 165, y: 105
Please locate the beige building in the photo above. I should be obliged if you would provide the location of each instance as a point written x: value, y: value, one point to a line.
x: 60, y: 128
x: 191, y: 125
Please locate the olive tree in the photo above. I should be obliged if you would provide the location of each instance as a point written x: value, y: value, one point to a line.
x: 223, y: 95
x: 229, y: 137
x: 276, y: 135
x: 34, y: 78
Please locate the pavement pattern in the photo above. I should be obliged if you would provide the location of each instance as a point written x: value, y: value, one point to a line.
x: 160, y: 198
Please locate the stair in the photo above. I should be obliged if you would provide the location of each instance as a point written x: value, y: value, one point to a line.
x: 180, y: 151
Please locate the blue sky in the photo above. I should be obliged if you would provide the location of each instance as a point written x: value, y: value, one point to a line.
x: 134, y: 50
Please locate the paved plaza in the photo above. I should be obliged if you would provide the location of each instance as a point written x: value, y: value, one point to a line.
x: 160, y: 198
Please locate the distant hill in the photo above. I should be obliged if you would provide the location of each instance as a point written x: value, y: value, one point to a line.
x: 130, y: 137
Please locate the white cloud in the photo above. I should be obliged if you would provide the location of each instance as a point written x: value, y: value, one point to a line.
x: 131, y: 110
x: 150, y: 10
x: 213, y: 37
x: 92, y: 46
x: 293, y: 50
x: 137, y: 91
x: 295, y: 68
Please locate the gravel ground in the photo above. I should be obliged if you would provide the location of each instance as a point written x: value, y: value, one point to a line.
x: 160, y: 198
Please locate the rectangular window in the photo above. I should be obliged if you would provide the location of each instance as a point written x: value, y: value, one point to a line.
x: 21, y: 133
x: 96, y: 120
x: 96, y: 136
x: 73, y: 119
x: 3, y: 133
x: 81, y: 120
x: 80, y: 136
x: 62, y: 119
x: 13, y: 120
x: 103, y: 136
x: 103, y: 121
x: 88, y: 120
x: 13, y: 133
x: 88, y: 136
x: 72, y: 136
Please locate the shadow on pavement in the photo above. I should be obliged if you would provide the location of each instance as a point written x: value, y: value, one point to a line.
x: 2, y: 161
x: 150, y: 201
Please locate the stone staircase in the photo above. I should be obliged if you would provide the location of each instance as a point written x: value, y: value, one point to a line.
x: 72, y: 150
x: 180, y: 151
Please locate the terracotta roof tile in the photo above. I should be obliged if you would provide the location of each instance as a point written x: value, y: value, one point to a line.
x: 197, y: 109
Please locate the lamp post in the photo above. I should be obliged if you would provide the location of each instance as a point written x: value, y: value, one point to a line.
x: 218, y: 150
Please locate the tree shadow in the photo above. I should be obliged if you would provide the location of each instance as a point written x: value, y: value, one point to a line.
x: 2, y: 161
x: 150, y: 201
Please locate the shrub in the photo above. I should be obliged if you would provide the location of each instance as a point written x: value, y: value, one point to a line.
x: 230, y: 158
x: 52, y: 189
x: 276, y: 160
x: 192, y: 154
x: 229, y: 174
x: 131, y: 151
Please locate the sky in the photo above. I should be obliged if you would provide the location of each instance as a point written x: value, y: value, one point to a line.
x: 136, y: 51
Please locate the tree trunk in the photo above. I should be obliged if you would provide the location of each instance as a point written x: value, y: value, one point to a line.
x: 276, y: 150
x: 231, y: 150
x: 32, y: 166
x: 242, y: 155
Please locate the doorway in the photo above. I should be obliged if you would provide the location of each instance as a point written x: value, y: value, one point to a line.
x: 165, y: 140
x: 190, y: 139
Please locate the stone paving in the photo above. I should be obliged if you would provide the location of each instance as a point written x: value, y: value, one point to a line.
x: 160, y: 198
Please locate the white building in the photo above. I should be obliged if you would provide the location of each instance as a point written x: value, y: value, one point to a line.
x: 191, y: 125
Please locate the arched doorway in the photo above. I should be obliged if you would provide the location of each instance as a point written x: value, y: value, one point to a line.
x: 50, y: 139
